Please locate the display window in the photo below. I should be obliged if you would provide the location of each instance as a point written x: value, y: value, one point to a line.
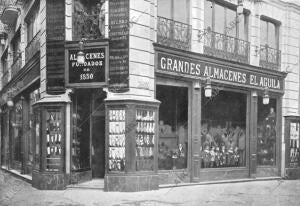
x: 16, y: 132
x: 173, y: 127
x: 294, y: 140
x: 223, y: 130
x: 4, y: 140
x: 34, y: 96
x: 81, y: 131
x: 266, y: 132
x: 37, y: 142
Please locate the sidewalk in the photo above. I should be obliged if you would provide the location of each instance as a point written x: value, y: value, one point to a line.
x: 273, y: 192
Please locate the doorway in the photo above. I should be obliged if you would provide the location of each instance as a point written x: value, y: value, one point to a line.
x: 88, y: 152
x: 98, y: 134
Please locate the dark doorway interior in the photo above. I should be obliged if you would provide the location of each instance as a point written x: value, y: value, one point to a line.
x: 89, y: 131
x: 98, y: 134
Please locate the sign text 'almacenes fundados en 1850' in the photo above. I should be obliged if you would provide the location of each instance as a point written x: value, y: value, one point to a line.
x: 191, y: 67
x: 92, y: 72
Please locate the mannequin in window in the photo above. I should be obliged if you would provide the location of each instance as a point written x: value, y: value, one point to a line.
x: 164, y: 129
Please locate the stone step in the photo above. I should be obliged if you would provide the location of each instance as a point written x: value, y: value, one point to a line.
x: 97, y: 184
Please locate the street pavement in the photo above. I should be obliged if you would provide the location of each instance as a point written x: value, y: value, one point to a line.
x: 14, y: 191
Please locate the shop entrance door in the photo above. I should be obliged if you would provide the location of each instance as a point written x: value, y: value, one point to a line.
x: 98, y: 135
x: 98, y: 149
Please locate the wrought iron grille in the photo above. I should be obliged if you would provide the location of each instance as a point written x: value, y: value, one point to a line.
x: 89, y: 26
x: 226, y: 47
x: 33, y: 47
x: 173, y: 33
x: 269, y: 57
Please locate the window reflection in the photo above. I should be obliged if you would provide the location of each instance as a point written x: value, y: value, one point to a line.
x: 173, y: 135
x: 223, y: 130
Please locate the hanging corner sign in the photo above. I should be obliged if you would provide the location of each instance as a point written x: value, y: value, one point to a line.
x: 94, y: 70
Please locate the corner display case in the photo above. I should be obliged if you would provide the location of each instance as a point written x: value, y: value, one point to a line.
x: 292, y: 147
x: 50, y: 146
x: 131, y: 145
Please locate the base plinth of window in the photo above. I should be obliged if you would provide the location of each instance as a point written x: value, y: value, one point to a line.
x: 292, y: 173
x: 49, y: 181
x: 130, y: 183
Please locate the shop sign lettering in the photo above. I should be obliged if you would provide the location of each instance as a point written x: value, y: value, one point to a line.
x: 119, y: 45
x: 196, y: 68
x: 92, y: 71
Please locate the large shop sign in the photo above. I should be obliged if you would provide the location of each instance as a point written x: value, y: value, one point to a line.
x: 92, y: 73
x: 195, y: 68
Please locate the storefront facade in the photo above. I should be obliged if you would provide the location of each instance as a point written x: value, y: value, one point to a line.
x: 163, y: 96
x: 229, y: 135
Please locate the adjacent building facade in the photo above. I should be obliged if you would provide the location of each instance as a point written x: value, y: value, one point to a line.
x: 147, y: 93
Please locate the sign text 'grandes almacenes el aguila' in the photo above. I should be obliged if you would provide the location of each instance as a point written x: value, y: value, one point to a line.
x: 198, y: 68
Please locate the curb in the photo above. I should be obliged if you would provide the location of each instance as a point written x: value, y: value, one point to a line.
x: 18, y: 176
x: 221, y: 182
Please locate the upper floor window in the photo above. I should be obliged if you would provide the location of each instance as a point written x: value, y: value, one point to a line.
x: 269, y: 34
x: 16, y: 43
x: 177, y: 10
x: 225, y: 20
x: 4, y: 61
x: 33, y: 23
x: 88, y: 19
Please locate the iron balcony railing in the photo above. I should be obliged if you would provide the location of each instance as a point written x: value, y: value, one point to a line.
x: 226, y: 47
x: 173, y: 33
x: 16, y: 66
x: 32, y: 47
x: 270, y: 58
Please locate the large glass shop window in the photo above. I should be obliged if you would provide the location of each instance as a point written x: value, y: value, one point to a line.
x: 223, y: 130
x: 88, y: 19
x: 266, y: 132
x: 173, y: 126
x: 81, y: 131
x: 54, y: 136
x: 16, y: 126
x: 4, y: 139
x: 294, y: 148
x: 34, y: 96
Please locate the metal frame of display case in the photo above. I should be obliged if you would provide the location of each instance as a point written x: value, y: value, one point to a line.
x: 49, y: 175
x: 292, y: 167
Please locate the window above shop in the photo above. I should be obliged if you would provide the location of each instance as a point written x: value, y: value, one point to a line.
x: 33, y: 31
x: 173, y: 23
x: 88, y: 19
x: 225, y: 32
x: 33, y: 23
x: 269, y: 41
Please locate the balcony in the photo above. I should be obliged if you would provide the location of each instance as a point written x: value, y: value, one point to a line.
x: 226, y: 47
x: 32, y: 47
x: 270, y: 57
x: 16, y: 66
x: 9, y: 15
x: 173, y: 33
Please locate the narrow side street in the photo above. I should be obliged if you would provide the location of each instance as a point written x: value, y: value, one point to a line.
x: 277, y: 192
